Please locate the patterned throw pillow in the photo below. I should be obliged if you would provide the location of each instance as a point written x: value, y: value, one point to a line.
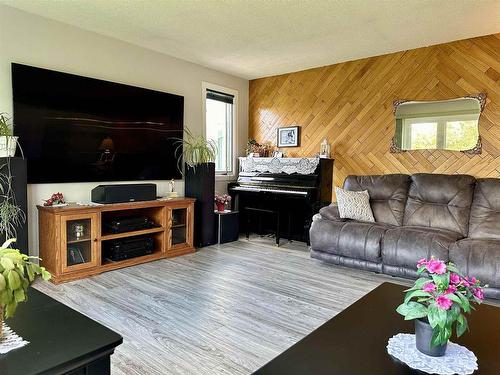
x: 354, y: 205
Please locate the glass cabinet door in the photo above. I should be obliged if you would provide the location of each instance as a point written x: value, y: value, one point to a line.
x: 79, y: 240
x: 179, y: 227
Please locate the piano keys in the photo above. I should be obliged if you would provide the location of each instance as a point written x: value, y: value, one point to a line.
x: 295, y: 188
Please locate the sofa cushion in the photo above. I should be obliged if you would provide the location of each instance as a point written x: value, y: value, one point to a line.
x: 387, y: 195
x: 352, y: 239
x: 440, y: 201
x: 478, y: 258
x: 405, y: 246
x: 485, y: 210
x: 354, y: 205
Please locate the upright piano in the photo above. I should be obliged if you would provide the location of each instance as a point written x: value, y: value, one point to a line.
x: 295, y: 188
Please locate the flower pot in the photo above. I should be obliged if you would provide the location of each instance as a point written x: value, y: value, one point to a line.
x: 221, y: 207
x: 423, y: 337
x: 8, y: 146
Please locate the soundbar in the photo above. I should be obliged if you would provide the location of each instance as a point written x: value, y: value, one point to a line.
x: 107, y: 194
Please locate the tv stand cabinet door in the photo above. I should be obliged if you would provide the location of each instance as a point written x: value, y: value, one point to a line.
x: 80, y: 246
x: 180, y: 227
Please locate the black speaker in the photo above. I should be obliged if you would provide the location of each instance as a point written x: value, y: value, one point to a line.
x: 200, y: 184
x: 123, y: 193
x: 19, y: 187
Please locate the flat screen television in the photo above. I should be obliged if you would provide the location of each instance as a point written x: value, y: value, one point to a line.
x: 79, y: 129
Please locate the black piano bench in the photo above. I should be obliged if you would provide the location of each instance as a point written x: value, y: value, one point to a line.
x: 249, y: 211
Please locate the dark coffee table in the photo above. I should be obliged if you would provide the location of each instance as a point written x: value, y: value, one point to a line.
x: 355, y: 340
x: 62, y: 341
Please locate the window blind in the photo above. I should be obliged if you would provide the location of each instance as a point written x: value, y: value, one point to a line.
x: 220, y: 96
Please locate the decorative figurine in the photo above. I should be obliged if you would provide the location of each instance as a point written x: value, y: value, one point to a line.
x: 324, y: 149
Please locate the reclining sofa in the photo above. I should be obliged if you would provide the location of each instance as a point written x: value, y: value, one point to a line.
x: 450, y: 217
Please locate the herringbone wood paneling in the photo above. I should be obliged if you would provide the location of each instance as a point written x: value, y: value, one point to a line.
x: 351, y: 105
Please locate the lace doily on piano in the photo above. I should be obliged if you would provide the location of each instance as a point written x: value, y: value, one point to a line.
x: 457, y: 360
x: 279, y: 165
x: 10, y: 340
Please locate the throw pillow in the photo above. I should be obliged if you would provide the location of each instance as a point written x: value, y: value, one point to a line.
x: 354, y: 205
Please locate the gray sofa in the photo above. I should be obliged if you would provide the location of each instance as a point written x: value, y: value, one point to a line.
x: 450, y: 217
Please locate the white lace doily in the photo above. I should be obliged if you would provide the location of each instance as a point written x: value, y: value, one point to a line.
x: 10, y: 340
x: 279, y: 165
x: 457, y: 360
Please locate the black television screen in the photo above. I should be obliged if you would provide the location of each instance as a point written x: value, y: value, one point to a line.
x: 78, y: 129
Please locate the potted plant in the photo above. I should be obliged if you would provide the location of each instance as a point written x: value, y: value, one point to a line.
x: 438, y: 302
x: 221, y: 201
x: 198, y: 155
x: 11, y: 215
x: 8, y: 142
x: 17, y: 272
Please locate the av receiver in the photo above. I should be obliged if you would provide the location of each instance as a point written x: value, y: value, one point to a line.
x: 127, y: 248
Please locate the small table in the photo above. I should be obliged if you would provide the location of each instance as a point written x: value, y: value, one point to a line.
x: 227, y: 226
x: 355, y: 340
x: 61, y: 340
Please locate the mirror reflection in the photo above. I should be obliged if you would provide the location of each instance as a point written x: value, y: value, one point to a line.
x: 443, y: 125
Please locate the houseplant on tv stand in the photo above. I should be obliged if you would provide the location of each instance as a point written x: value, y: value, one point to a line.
x: 198, y: 155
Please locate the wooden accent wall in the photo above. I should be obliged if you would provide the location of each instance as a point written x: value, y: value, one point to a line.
x: 351, y: 105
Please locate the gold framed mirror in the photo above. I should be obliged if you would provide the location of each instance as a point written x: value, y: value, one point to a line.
x: 451, y: 125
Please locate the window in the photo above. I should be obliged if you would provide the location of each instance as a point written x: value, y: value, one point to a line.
x: 440, y: 132
x: 219, y: 125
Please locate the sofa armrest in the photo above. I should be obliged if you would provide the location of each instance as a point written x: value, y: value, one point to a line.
x: 331, y: 212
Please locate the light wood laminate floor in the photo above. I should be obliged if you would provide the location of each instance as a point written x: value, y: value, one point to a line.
x: 221, y: 310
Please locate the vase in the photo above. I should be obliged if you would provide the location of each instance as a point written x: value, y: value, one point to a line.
x: 423, y: 337
x: 220, y: 207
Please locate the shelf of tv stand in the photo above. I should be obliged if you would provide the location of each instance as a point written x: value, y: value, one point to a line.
x: 114, y: 236
x: 86, y: 239
x: 178, y: 225
x: 107, y: 265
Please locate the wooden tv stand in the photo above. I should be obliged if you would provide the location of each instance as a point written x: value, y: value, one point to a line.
x: 71, y: 238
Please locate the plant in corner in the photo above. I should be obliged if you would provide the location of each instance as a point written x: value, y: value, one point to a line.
x: 198, y: 155
x: 11, y: 215
x: 17, y: 272
x: 438, y: 302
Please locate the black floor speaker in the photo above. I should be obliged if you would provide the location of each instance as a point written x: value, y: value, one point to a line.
x: 200, y: 184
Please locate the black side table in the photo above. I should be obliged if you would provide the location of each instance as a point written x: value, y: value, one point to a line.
x: 227, y: 226
x: 61, y: 340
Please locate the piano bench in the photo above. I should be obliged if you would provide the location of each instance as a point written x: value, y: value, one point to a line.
x: 248, y: 211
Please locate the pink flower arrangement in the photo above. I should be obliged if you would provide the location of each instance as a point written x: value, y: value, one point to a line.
x: 441, y: 295
x: 222, y: 199
x: 56, y: 198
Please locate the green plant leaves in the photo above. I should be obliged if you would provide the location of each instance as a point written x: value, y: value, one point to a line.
x: 17, y: 274
x: 416, y: 293
x: 437, y: 317
x: 419, y: 283
x: 13, y: 279
x: 7, y: 263
x: 412, y: 310
x: 462, y: 325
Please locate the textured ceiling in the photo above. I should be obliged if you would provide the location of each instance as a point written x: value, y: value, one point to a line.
x: 259, y: 38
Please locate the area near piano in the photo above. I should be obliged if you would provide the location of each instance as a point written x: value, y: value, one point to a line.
x: 238, y: 187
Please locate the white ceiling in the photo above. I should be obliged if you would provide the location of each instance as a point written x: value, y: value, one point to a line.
x: 256, y: 38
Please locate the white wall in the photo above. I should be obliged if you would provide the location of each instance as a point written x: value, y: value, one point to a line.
x: 33, y: 40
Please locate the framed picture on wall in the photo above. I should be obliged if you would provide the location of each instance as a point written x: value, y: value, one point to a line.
x: 289, y: 136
